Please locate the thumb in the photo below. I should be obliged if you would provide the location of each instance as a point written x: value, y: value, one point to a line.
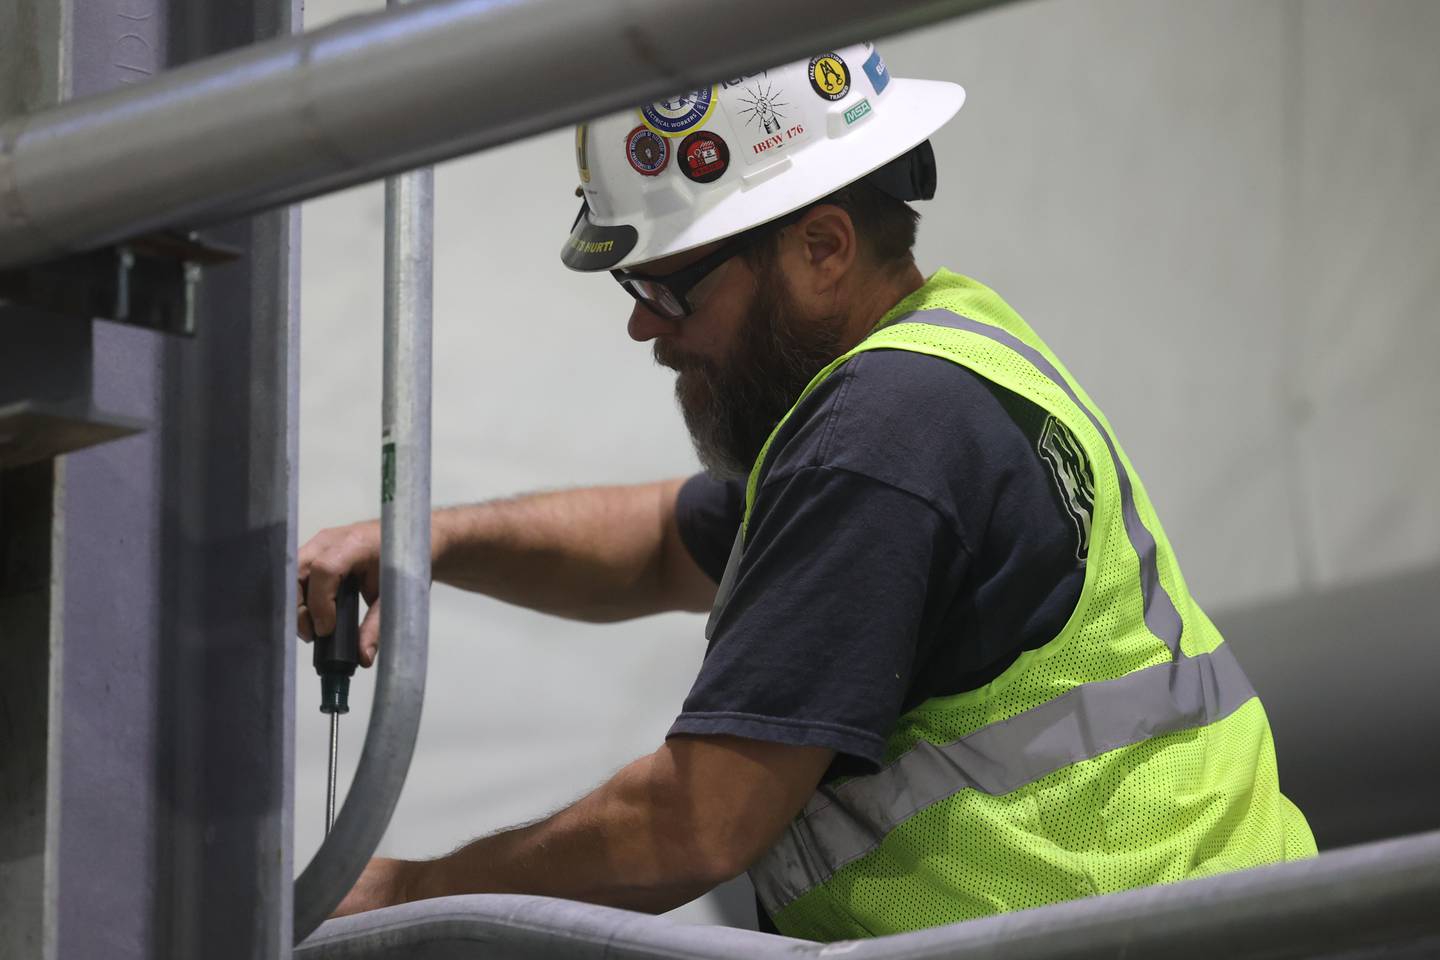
x: 370, y: 635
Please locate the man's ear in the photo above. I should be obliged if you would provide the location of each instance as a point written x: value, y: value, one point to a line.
x: 828, y: 247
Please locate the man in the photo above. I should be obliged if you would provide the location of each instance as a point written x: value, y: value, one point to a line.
x: 953, y: 666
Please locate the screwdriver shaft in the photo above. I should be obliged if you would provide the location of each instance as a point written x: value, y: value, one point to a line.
x: 330, y: 786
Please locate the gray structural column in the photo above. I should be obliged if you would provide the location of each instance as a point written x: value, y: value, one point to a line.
x: 33, y: 52
x: 170, y: 742
x: 227, y: 669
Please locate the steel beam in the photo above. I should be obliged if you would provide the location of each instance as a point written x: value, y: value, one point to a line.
x: 371, y: 96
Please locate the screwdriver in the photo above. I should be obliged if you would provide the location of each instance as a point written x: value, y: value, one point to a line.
x: 335, y: 659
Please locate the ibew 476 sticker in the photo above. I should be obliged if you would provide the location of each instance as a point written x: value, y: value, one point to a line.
x: 762, y: 111
x: 679, y: 114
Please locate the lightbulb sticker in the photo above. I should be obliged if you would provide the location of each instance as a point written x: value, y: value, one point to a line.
x: 761, y: 106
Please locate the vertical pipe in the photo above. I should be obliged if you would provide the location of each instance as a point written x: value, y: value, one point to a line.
x: 405, y: 456
x: 404, y: 554
x: 405, y: 441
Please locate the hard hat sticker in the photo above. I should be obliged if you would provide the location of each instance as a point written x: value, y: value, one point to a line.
x: 674, y: 116
x: 875, y: 70
x: 582, y: 160
x: 704, y: 157
x: 829, y: 76
x: 860, y: 109
x: 648, y: 152
x: 761, y: 111
x: 762, y: 107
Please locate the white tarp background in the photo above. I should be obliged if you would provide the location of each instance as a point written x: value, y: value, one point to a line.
x: 1223, y: 216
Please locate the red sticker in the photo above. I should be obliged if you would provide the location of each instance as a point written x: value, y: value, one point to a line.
x: 706, y: 157
x: 649, y: 153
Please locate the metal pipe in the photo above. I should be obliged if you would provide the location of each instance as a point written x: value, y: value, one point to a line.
x: 295, y: 117
x: 404, y: 555
x: 1367, y: 901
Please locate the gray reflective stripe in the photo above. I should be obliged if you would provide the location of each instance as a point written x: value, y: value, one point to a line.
x: 727, y: 583
x: 844, y: 823
x: 1161, y: 617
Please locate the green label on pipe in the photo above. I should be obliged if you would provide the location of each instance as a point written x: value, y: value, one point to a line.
x: 387, y: 472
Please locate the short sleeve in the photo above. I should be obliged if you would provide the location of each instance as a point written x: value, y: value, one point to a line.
x: 817, y: 643
x: 707, y: 513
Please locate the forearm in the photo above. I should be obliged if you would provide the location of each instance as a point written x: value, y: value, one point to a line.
x: 591, y: 554
x: 623, y: 845
x: 659, y: 833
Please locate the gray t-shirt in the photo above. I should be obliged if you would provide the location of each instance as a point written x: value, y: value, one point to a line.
x: 908, y: 541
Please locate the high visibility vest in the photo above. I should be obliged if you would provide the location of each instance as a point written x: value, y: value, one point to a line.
x: 1128, y: 750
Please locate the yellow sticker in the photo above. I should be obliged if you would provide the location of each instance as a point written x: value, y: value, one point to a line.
x: 829, y: 76
x: 592, y: 246
x: 582, y: 160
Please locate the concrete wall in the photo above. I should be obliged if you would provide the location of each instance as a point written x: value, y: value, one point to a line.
x: 1222, y: 214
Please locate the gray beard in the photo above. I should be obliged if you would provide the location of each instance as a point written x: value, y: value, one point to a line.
x: 731, y: 408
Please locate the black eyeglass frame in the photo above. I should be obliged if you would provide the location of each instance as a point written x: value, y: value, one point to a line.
x: 679, y: 283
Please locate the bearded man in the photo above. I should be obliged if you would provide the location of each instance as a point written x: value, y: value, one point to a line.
x: 953, y: 668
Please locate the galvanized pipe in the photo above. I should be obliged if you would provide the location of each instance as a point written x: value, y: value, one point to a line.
x: 1368, y: 901
x: 404, y: 555
x: 369, y: 96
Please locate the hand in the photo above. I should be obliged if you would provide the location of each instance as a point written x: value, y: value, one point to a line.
x: 329, y: 557
x: 384, y: 883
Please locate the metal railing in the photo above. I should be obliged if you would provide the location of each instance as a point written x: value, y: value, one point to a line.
x: 371, y: 96
x: 1379, y: 899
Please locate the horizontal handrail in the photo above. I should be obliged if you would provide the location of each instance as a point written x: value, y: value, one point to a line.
x: 1371, y: 900
x: 374, y: 95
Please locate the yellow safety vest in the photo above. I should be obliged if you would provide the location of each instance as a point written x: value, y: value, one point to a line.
x: 1129, y: 750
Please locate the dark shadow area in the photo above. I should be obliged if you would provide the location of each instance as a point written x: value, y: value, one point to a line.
x: 1349, y: 680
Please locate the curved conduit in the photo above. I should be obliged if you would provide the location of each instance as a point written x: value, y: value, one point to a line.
x: 404, y: 556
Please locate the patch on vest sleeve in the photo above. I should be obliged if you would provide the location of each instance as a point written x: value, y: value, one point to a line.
x: 1073, y: 476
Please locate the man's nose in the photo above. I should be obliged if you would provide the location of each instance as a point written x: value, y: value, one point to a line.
x: 647, y: 324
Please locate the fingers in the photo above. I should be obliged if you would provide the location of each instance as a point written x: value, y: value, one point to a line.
x: 304, y: 629
x: 322, y: 564
x: 320, y: 590
x: 370, y: 635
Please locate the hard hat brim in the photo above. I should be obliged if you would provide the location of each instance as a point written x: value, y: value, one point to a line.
x: 594, y: 246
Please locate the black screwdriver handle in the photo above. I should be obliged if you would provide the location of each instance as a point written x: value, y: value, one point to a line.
x: 336, y: 656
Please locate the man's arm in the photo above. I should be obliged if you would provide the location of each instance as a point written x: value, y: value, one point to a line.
x: 661, y: 832
x: 598, y: 554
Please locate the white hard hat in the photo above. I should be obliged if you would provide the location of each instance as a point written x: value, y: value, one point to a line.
x: 710, y: 163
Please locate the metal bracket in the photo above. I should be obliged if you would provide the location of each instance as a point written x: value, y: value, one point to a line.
x: 33, y: 430
x: 148, y: 282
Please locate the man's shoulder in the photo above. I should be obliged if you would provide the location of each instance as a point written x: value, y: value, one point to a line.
x: 907, y: 419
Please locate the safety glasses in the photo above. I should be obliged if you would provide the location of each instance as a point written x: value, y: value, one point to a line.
x: 668, y: 295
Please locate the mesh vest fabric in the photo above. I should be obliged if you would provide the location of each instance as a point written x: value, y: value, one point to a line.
x: 955, y: 827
